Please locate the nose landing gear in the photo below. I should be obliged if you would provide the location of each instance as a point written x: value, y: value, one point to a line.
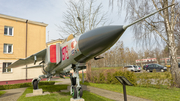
x: 76, y: 89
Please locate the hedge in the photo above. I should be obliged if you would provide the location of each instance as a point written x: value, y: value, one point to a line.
x: 157, y: 80
x: 21, y: 85
x: 108, y: 76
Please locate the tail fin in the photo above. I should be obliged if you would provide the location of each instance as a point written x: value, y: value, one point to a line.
x: 126, y: 26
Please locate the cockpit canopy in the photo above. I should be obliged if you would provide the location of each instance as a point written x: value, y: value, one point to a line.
x: 70, y: 37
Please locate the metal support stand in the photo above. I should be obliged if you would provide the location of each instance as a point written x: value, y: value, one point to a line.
x: 82, y: 77
x: 124, y: 92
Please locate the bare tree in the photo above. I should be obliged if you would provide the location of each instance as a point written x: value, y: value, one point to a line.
x: 81, y: 16
x: 157, y: 53
x: 140, y: 56
x: 91, y: 16
x: 117, y: 56
x: 162, y: 26
x: 134, y: 56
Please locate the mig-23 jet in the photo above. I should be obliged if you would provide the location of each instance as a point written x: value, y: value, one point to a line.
x: 73, y: 53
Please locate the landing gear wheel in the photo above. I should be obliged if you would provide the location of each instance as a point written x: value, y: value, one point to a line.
x: 80, y: 92
x: 74, y: 92
x: 148, y: 70
x: 35, y: 84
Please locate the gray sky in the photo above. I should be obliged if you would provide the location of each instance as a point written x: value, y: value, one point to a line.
x: 51, y: 13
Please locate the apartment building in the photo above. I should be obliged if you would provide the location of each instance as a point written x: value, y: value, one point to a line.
x: 19, y: 38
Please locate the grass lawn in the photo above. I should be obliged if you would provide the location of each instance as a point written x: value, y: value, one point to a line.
x: 2, y: 92
x: 143, y: 92
x: 58, y: 96
x: 51, y: 81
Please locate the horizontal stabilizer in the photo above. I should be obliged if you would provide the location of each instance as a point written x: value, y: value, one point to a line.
x: 37, y: 66
x: 40, y: 56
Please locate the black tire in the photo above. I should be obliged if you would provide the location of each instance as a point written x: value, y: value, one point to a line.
x: 80, y: 92
x: 35, y: 84
x: 74, y: 81
x: 74, y: 92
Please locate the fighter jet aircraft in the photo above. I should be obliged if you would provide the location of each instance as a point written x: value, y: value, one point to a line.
x: 73, y: 53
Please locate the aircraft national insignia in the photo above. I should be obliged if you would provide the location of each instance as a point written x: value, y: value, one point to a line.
x: 73, y: 45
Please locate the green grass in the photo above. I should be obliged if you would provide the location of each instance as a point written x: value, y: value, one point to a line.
x: 172, y: 94
x: 58, y: 96
x: 67, y: 77
x: 51, y: 81
x: 2, y: 92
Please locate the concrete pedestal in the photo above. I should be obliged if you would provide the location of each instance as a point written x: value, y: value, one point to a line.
x: 37, y: 92
x: 81, y: 99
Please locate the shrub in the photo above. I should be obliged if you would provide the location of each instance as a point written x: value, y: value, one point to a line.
x: 169, y: 78
x: 101, y: 78
x: 131, y: 77
x: 94, y: 79
x: 145, y: 80
x: 114, y: 80
x: 47, y: 83
x: 155, y: 79
x: 20, y: 85
x: 109, y: 78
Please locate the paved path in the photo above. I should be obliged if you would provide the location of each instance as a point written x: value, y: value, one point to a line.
x: 105, y: 93
x: 111, y: 95
x: 62, y: 81
x: 12, y: 94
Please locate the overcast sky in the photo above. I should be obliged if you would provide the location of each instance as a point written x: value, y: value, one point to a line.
x: 51, y: 13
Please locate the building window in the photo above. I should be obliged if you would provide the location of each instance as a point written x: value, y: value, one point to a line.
x: 8, y: 30
x: 8, y: 48
x: 6, y: 64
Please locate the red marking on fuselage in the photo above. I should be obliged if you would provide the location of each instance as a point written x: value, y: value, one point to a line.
x: 65, y: 53
x: 73, y: 44
x: 53, y: 53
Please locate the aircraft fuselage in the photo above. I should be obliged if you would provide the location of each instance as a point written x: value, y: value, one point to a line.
x: 86, y: 46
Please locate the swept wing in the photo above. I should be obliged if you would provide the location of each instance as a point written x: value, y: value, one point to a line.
x: 40, y: 56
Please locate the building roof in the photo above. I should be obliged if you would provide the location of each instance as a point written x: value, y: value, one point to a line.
x: 54, y: 41
x: 22, y: 20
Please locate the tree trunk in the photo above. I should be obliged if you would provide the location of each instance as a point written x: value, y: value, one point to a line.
x: 170, y: 23
x: 174, y: 65
x: 88, y: 71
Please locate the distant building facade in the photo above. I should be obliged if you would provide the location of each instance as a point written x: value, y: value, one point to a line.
x: 19, y: 38
x: 163, y: 61
x: 141, y: 62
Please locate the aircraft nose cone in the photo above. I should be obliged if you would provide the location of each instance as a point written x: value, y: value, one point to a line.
x: 94, y: 42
